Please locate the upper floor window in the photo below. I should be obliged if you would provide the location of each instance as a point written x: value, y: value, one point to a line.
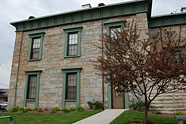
x: 113, y: 27
x: 72, y: 42
x: 114, y: 30
x: 35, y: 47
x: 179, y: 54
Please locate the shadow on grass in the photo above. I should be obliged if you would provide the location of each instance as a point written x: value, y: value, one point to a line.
x: 129, y: 117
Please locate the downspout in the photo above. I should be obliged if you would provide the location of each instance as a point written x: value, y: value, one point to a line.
x: 18, y: 68
x: 103, y: 98
x: 180, y: 33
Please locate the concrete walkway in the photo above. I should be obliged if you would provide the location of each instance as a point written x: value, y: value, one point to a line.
x: 104, y: 117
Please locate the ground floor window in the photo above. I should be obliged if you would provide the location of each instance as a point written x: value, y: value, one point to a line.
x: 71, y: 86
x: 31, y: 89
x: 32, y: 82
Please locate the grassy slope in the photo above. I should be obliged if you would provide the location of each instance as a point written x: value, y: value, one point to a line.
x: 133, y: 117
x: 40, y: 118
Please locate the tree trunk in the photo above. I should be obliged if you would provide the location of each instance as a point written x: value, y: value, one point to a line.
x: 146, y: 114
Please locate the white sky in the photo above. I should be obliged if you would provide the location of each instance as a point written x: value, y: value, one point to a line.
x: 14, y: 10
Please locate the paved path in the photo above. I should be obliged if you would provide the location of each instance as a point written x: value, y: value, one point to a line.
x: 104, y: 117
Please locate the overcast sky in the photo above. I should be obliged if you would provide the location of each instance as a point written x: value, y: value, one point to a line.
x: 14, y: 10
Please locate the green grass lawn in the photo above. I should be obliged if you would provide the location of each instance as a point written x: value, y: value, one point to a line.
x: 128, y: 117
x: 42, y: 118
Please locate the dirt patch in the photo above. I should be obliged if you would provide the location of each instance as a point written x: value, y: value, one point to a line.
x: 171, y: 115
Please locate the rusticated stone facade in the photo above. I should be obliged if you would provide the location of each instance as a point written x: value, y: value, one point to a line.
x: 51, y: 78
x: 171, y: 102
x: 53, y: 61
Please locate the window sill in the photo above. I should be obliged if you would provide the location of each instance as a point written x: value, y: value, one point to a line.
x: 72, y: 56
x: 30, y: 60
x: 30, y: 100
x: 69, y: 100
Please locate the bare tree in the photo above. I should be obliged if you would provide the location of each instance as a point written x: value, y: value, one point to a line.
x: 145, y: 68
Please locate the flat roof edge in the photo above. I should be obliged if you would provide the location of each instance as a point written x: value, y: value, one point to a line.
x: 168, y: 20
x: 109, y: 11
x: 80, y: 10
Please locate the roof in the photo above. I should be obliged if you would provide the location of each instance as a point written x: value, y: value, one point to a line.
x: 168, y: 20
x: 108, y: 11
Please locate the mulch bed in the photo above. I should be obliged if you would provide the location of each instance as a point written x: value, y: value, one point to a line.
x: 46, y: 112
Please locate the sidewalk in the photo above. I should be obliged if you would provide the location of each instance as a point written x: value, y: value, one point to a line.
x: 104, y: 117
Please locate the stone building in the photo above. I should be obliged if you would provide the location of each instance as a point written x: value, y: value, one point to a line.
x: 53, y: 56
x: 171, y: 102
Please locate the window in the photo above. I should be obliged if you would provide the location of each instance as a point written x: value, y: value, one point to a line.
x: 72, y: 42
x: 111, y: 27
x: 113, y: 30
x: 32, y: 82
x: 35, y: 48
x: 178, y: 53
x: 31, y: 89
x: 71, y: 86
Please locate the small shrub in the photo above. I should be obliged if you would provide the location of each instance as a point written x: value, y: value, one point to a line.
x: 98, y: 105
x: 4, y: 110
x: 56, y: 109
x: 35, y: 109
x: 21, y: 109
x: 95, y: 105
x: 137, y: 106
x: 73, y: 109
x: 179, y: 113
x: 53, y: 111
x: 39, y: 110
x: 30, y: 109
x: 90, y: 104
x: 157, y: 113
x: 15, y: 109
x: 80, y: 108
x: 27, y: 109
x: 46, y: 109
x: 65, y: 109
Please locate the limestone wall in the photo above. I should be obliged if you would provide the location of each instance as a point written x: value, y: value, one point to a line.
x: 50, y: 93
x: 172, y: 102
